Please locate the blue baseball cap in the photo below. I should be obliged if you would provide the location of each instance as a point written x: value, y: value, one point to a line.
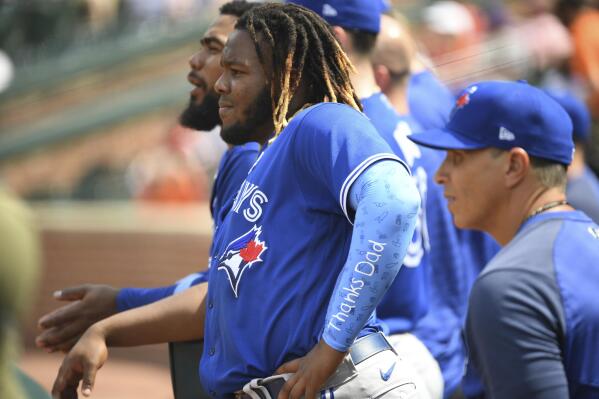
x: 505, y: 115
x: 578, y: 112
x: 351, y: 14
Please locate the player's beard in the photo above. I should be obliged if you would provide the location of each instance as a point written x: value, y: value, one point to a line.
x: 203, y: 116
x: 257, y: 114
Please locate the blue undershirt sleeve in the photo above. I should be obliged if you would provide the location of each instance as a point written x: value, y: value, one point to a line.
x: 386, y: 203
x: 129, y: 298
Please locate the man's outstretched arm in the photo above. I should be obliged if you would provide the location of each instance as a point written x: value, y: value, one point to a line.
x: 176, y: 318
x: 90, y: 303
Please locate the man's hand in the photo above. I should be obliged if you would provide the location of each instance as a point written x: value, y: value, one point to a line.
x: 63, y: 327
x: 310, y: 372
x: 81, y: 364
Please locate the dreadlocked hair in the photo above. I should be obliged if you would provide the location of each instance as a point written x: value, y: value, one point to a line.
x: 303, y: 46
x: 236, y: 8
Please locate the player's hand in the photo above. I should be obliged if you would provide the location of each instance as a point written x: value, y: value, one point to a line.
x: 63, y: 327
x: 81, y: 364
x: 310, y: 372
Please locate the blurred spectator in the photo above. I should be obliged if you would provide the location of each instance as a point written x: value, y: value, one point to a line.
x: 100, y: 182
x: 546, y: 38
x: 533, y: 42
x: 456, y: 256
x: 170, y: 172
x: 19, y: 267
x: 429, y: 100
x: 519, y: 41
x: 582, y: 18
x: 448, y: 26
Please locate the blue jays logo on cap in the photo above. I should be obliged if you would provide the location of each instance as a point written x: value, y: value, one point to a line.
x: 464, y: 98
x: 505, y: 115
x: 241, y: 254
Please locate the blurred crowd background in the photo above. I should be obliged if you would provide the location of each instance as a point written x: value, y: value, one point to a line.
x: 90, y: 92
x: 91, y: 88
x: 91, y: 95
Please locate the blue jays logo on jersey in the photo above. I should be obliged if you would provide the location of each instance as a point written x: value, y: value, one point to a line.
x: 240, y: 255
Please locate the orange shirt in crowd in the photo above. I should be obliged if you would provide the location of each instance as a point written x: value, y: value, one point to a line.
x: 585, y: 60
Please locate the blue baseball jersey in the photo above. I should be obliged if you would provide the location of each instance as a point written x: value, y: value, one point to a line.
x: 430, y: 101
x: 407, y: 299
x: 281, y: 248
x: 232, y: 170
x: 535, y: 309
x: 429, y: 296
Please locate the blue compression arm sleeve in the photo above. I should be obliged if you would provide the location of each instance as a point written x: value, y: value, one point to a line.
x: 386, y: 202
x: 129, y: 298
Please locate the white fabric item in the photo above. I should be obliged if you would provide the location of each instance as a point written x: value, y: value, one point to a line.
x: 417, y: 355
x: 384, y: 375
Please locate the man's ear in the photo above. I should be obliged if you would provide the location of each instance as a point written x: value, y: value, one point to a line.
x: 517, y: 166
x: 342, y: 37
x: 382, y: 77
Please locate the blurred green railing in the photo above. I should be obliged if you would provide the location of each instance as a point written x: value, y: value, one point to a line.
x: 50, y: 78
x: 108, y: 54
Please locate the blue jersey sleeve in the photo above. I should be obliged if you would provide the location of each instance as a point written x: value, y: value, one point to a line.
x: 129, y: 298
x: 333, y: 145
x: 386, y: 202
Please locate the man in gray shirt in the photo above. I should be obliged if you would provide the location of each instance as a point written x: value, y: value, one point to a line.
x: 533, y: 317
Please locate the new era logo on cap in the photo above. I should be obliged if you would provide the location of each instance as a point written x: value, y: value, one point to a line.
x: 328, y: 11
x: 506, y: 135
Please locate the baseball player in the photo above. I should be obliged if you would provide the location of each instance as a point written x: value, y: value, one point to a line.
x: 356, y: 24
x: 582, y: 189
x: 62, y: 327
x: 294, y: 283
x: 533, y: 327
x: 428, y: 99
x: 456, y: 256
